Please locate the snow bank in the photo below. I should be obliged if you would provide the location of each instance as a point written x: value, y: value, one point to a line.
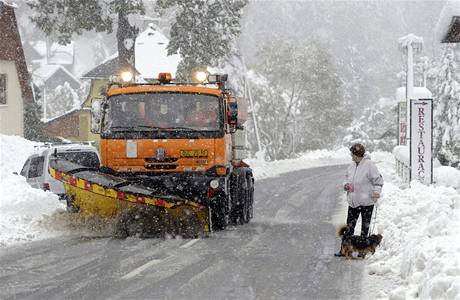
x: 14, y: 151
x: 318, y: 158
x: 421, y: 228
x: 21, y: 207
x: 447, y: 176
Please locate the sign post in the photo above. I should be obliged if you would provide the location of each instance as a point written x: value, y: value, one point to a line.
x: 402, y: 123
x: 421, y: 140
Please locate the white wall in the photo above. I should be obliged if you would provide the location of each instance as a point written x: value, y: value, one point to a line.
x: 11, y: 114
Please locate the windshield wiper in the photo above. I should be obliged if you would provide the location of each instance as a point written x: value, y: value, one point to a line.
x: 134, y: 128
x: 183, y: 128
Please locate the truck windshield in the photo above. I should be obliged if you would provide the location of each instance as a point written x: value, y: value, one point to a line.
x: 164, y: 111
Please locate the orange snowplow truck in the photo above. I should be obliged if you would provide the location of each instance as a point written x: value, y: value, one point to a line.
x: 181, y: 139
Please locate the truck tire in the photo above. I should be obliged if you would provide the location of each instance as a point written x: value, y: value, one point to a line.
x: 244, y: 201
x: 241, y: 197
x: 235, y: 192
x: 219, y: 213
x: 250, y: 199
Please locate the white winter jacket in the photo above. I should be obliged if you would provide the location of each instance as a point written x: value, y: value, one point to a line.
x: 365, y: 178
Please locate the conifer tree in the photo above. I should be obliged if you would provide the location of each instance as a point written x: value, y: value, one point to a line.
x: 203, y: 32
x: 34, y: 129
x: 447, y: 106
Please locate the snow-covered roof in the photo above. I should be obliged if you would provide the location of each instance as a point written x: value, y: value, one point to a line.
x: 71, y: 111
x: 450, y: 10
x: 8, y: 3
x: 104, y: 70
x: 61, y: 54
x: 42, y: 74
x: 152, y: 55
x: 419, y: 92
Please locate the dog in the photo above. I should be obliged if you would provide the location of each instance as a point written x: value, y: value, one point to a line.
x: 356, y: 243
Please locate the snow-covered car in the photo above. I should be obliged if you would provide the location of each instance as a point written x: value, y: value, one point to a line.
x: 35, y: 169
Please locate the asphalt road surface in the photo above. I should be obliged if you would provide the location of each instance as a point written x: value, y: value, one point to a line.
x: 286, y: 252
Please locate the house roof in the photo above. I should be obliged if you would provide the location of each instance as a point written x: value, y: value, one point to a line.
x: 42, y: 74
x: 63, y: 116
x: 104, y: 70
x: 31, y: 52
x: 12, y: 50
x: 453, y: 33
x: 447, y: 28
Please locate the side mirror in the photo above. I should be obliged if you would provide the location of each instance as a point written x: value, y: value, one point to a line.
x: 96, y: 116
x: 15, y: 173
x: 232, y: 113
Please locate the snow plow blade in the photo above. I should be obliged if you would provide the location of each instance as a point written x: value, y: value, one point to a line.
x: 134, y: 208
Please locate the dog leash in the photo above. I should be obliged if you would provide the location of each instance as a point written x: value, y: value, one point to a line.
x: 373, y: 222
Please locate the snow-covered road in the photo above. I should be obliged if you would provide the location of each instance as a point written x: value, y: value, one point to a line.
x: 285, y: 252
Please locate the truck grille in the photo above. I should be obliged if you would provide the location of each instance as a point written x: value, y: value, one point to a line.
x: 165, y: 160
x: 161, y: 167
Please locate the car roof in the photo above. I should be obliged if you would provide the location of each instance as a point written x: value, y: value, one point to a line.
x: 45, y: 150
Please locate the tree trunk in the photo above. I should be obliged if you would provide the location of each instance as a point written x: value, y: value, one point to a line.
x: 126, y: 38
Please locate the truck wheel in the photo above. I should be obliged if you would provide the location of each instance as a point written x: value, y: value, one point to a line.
x: 244, y: 201
x: 237, y: 195
x: 219, y: 214
x: 250, y: 199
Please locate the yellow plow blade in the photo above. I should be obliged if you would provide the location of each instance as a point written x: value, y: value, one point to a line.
x: 134, y: 207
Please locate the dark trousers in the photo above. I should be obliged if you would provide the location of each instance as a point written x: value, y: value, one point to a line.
x: 352, y: 218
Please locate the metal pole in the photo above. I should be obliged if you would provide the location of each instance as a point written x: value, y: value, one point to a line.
x: 253, y: 111
x: 44, y: 104
x: 409, y: 84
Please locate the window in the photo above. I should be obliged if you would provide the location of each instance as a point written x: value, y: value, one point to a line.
x: 36, y: 167
x: 87, y: 159
x: 24, y: 169
x: 2, y: 89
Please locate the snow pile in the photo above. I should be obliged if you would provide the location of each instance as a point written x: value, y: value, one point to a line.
x: 14, y: 151
x: 318, y: 158
x: 447, y: 176
x: 421, y: 230
x: 21, y: 207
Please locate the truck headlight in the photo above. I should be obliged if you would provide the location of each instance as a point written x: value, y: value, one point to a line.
x: 126, y: 76
x: 201, y: 76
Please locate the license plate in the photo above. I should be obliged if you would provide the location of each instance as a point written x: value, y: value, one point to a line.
x: 194, y: 153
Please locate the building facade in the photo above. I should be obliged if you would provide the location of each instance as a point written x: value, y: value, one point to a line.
x: 15, y: 88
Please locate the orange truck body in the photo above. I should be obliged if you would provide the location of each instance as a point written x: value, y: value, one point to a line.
x: 199, y: 164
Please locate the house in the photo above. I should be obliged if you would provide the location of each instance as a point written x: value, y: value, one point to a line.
x: 47, y: 78
x: 151, y: 58
x: 73, y: 126
x: 40, y: 53
x: 15, y: 88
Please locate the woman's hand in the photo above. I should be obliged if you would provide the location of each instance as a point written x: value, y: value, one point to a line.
x: 375, y: 196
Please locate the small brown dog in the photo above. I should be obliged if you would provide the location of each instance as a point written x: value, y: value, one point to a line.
x: 356, y: 243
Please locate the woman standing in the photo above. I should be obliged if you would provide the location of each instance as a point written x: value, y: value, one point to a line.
x: 363, y: 185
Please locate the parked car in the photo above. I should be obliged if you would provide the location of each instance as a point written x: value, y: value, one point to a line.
x: 35, y: 169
